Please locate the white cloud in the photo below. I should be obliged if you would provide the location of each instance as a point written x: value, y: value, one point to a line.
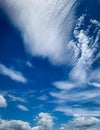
x: 42, y: 27
x: 23, y: 108
x: 3, y: 102
x: 43, y: 97
x: 63, y: 85
x: 15, y: 99
x: 85, y: 122
x: 14, y: 125
x: 77, y: 99
x: 44, y: 121
x: 95, y: 84
x: 29, y: 64
x: 12, y: 74
x: 80, y: 111
x: 81, y: 123
x: 76, y: 96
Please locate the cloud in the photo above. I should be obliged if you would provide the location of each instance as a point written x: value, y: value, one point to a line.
x: 85, y: 122
x: 42, y: 27
x: 23, y: 108
x: 76, y: 101
x: 43, y: 98
x: 3, y: 102
x: 12, y: 74
x: 95, y: 84
x: 29, y: 64
x: 74, y: 94
x: 14, y: 125
x: 64, y: 85
x: 81, y: 123
x: 15, y: 99
x: 44, y: 121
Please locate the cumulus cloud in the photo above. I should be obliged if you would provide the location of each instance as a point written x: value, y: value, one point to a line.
x: 42, y: 27
x: 81, y: 123
x: 22, y: 107
x: 44, y: 122
x: 14, y: 125
x: 3, y: 102
x: 85, y: 122
x: 12, y: 74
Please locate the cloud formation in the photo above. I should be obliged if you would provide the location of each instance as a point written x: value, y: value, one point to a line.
x: 12, y: 74
x: 3, y: 102
x: 82, y: 86
x: 44, y: 122
x: 81, y: 123
x: 42, y: 27
x: 22, y: 107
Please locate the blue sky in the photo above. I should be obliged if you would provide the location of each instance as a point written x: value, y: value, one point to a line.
x: 49, y: 65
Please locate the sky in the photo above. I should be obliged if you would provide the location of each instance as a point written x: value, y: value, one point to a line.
x: 49, y: 65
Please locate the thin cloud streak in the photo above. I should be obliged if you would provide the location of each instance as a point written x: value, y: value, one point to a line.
x: 12, y: 74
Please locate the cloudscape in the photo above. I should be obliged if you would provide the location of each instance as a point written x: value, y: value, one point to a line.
x: 49, y: 65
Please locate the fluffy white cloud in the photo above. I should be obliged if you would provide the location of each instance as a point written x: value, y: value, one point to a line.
x: 14, y: 125
x: 12, y: 74
x: 23, y: 108
x: 81, y: 123
x: 42, y: 27
x: 44, y: 122
x: 85, y: 122
x: 3, y: 102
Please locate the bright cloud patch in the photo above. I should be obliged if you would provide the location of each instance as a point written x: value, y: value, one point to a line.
x: 81, y: 123
x: 3, y: 102
x: 41, y: 26
x: 44, y: 122
x: 12, y: 74
x: 23, y: 108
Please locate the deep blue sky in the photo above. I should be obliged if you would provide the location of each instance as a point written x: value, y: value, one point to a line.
x: 61, y: 79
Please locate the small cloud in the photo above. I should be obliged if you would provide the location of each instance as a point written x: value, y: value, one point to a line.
x: 43, y: 98
x: 12, y: 74
x: 23, y: 108
x: 3, y: 102
x: 28, y: 63
x: 95, y: 84
x: 14, y: 98
x: 64, y: 85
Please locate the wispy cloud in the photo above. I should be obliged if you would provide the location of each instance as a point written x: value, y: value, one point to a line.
x: 22, y: 107
x: 12, y: 74
x: 16, y: 98
x: 29, y: 64
x: 42, y: 26
x: 83, y: 75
